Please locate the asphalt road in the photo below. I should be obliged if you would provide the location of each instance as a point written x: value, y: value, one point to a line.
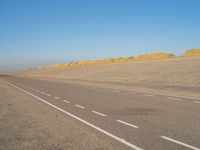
x: 130, y: 119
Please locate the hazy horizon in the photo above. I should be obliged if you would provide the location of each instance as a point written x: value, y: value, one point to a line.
x: 35, y: 33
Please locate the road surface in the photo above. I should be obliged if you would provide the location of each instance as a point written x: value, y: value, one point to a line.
x: 130, y: 119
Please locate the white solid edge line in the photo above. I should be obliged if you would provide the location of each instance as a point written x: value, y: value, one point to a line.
x: 99, y: 113
x: 128, y: 124
x: 81, y: 120
x: 174, y: 98
x: 80, y: 106
x: 197, y: 101
x: 180, y: 143
x: 56, y: 97
x: 66, y: 101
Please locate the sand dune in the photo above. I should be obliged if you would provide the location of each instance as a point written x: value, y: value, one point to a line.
x: 163, y: 72
x: 149, y: 56
x: 175, y: 74
x: 142, y: 57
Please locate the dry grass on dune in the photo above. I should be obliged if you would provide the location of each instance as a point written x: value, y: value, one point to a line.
x: 192, y: 52
x: 142, y: 57
x: 150, y: 56
x: 90, y: 62
x: 155, y: 55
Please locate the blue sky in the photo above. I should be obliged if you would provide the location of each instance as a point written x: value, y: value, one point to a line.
x: 38, y: 32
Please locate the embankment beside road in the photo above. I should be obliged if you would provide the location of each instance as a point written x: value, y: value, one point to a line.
x: 169, y: 76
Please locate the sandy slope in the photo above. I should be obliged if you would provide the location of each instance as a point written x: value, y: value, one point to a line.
x: 174, y: 75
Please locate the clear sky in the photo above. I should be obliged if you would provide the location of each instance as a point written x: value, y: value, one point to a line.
x: 38, y: 32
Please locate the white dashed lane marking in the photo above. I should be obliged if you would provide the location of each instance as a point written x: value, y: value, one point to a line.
x: 128, y: 124
x: 98, y: 113
x: 48, y: 94
x: 66, y: 101
x: 180, y: 143
x: 56, y: 97
x: 80, y: 106
x: 197, y: 102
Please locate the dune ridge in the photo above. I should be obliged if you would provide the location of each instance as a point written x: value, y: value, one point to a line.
x: 150, y: 56
x: 142, y: 57
x: 191, y: 52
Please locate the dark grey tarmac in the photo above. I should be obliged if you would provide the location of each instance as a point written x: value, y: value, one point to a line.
x: 148, y: 121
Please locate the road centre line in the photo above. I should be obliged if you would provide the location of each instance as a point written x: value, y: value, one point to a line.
x: 80, y: 106
x: 128, y: 124
x: 180, y: 143
x: 66, y: 101
x: 98, y: 113
x: 48, y: 94
x: 56, y: 97
x: 81, y: 120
